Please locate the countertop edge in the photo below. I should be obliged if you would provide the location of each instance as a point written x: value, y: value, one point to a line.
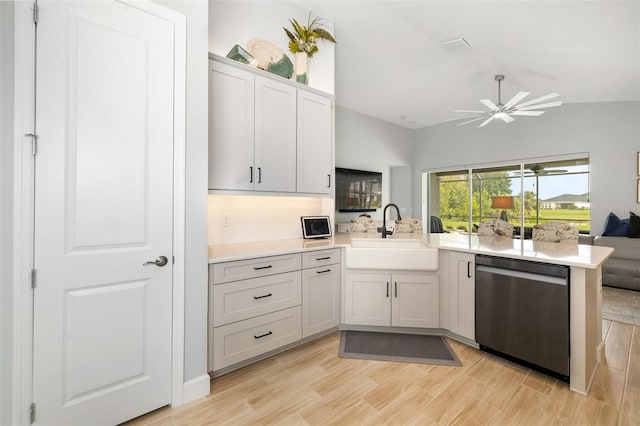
x: 574, y: 255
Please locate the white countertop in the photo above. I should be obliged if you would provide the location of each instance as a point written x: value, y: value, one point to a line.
x: 569, y: 254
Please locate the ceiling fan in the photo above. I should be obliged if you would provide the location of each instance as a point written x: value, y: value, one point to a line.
x: 505, y: 111
x: 538, y: 170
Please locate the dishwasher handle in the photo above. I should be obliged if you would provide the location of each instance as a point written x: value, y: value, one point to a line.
x: 519, y: 274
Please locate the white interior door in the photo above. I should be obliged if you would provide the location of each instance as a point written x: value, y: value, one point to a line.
x: 104, y: 185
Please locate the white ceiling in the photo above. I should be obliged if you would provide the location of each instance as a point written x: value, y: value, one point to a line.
x: 390, y: 63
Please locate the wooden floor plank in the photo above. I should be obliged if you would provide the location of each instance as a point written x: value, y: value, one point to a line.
x: 311, y: 385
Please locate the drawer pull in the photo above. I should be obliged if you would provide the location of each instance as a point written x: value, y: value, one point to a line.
x: 268, y: 333
x: 257, y: 268
x: 323, y: 272
x: 323, y: 258
x: 262, y: 297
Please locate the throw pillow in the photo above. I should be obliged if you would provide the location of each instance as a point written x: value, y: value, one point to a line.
x: 634, y: 225
x: 616, y: 227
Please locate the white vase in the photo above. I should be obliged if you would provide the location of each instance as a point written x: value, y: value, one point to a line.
x: 302, y: 68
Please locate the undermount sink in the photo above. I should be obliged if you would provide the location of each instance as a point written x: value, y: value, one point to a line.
x: 391, y: 253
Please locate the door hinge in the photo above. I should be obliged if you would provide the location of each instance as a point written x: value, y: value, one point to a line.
x: 34, y: 143
x: 32, y: 413
x: 36, y: 13
x: 33, y: 278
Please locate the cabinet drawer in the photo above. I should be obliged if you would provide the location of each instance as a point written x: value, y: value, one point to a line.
x: 253, y: 268
x: 312, y: 259
x: 242, y: 340
x: 238, y: 301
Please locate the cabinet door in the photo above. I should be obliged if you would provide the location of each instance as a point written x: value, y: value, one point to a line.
x: 231, y: 127
x: 462, y: 294
x: 367, y: 299
x: 275, y: 136
x: 320, y: 299
x: 315, y: 142
x: 415, y: 300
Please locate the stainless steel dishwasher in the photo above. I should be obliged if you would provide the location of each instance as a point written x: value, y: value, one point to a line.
x: 522, y: 311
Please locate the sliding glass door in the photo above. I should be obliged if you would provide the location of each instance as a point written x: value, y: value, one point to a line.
x: 524, y: 194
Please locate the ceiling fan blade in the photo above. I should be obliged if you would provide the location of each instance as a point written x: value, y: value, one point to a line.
x: 470, y: 110
x: 517, y: 98
x: 484, y: 123
x: 540, y: 99
x: 548, y: 105
x: 506, y: 118
x: 462, y: 118
x: 470, y: 121
x: 530, y: 113
x: 489, y: 104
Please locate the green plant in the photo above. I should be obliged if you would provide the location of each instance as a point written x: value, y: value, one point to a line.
x: 303, y: 38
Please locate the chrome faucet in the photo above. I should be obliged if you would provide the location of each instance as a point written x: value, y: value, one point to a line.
x: 384, y: 219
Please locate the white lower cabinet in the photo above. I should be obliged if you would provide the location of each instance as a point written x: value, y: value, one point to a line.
x: 236, y: 301
x: 246, y: 339
x: 400, y: 299
x: 259, y: 305
x: 461, y: 287
x: 320, y: 299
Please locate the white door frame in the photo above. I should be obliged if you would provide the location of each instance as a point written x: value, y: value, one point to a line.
x: 23, y: 214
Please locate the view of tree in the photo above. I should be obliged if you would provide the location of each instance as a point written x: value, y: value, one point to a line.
x: 453, y: 197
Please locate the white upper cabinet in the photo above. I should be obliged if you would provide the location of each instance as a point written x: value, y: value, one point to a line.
x: 267, y: 133
x: 315, y: 143
x: 231, y: 127
x: 275, y: 143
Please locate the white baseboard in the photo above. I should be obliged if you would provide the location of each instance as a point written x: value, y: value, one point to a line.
x: 196, y: 388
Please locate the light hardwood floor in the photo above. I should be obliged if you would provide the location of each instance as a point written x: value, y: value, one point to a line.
x: 312, y: 385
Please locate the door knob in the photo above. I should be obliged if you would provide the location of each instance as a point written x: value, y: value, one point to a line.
x: 161, y: 261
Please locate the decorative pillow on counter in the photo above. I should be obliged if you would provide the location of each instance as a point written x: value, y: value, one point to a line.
x: 615, y: 227
x: 634, y: 225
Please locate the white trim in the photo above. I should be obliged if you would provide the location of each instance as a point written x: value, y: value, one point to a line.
x: 506, y: 163
x: 23, y: 206
x: 23, y: 214
x: 196, y: 388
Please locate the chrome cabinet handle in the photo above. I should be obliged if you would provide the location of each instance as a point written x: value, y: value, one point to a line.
x: 161, y: 261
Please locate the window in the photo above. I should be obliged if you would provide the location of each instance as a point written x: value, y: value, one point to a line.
x: 524, y: 194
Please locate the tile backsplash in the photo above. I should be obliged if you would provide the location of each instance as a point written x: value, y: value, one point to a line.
x: 247, y: 218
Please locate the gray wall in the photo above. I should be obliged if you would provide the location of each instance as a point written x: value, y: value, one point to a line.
x: 366, y: 143
x: 196, y: 300
x: 6, y: 205
x: 609, y: 132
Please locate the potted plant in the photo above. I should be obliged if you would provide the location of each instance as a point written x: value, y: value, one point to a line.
x: 303, y: 42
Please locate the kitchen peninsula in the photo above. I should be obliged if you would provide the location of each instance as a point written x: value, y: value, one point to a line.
x: 584, y: 261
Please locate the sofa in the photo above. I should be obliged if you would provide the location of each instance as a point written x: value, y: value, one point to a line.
x: 622, y: 269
